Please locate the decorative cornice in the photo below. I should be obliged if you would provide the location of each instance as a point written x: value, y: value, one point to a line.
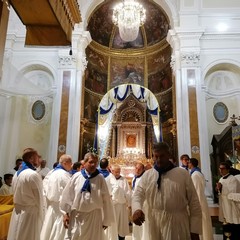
x: 190, y: 59
x: 173, y: 63
x: 67, y: 61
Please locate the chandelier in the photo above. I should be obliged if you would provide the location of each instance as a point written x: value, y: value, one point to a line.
x: 129, y: 15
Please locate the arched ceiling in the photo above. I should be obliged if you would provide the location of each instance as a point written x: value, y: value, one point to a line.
x: 104, y: 32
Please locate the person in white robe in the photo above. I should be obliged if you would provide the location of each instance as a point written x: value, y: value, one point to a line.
x: 121, y: 197
x: 53, y: 228
x: 27, y: 216
x: 174, y: 211
x: 6, y: 188
x: 228, y: 212
x: 110, y: 233
x: 199, y: 184
x: 139, y: 232
x: 87, y: 196
x: 184, y: 161
x: 42, y: 169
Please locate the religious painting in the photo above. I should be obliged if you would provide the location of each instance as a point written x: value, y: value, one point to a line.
x: 156, y: 25
x: 160, y: 81
x: 165, y: 102
x: 127, y: 71
x: 95, y: 80
x: 160, y: 60
x: 91, y: 103
x: 131, y: 140
x: 87, y: 144
x: 118, y: 43
x: 100, y: 25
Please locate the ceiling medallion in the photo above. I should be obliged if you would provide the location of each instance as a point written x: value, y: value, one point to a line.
x: 129, y: 15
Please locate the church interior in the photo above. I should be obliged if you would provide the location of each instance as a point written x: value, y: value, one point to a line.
x: 69, y: 83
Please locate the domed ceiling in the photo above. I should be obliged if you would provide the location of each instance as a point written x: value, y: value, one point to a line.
x: 104, y: 32
x: 111, y: 61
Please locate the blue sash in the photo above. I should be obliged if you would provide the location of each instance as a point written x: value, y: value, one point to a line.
x: 24, y: 166
x: 195, y: 169
x: 185, y: 167
x: 104, y: 172
x: 162, y: 171
x: 134, y: 180
x: 87, y: 184
x: 59, y: 166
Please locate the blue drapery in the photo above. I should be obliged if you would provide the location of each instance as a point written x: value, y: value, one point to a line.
x: 108, y: 105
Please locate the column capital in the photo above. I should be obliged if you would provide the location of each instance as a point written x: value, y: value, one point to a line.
x: 190, y: 59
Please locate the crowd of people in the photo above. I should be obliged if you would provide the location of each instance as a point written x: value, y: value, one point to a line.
x: 91, y: 200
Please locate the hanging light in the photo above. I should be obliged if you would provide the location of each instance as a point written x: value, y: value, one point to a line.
x: 129, y: 15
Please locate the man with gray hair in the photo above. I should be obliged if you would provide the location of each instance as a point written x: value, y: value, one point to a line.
x: 53, y: 228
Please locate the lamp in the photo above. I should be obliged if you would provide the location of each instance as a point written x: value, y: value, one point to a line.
x: 129, y: 15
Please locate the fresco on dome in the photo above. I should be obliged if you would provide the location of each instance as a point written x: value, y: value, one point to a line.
x: 95, y: 80
x: 100, y: 25
x: 98, y: 60
x: 91, y: 103
x: 159, y: 60
x: 118, y: 43
x: 160, y: 81
x: 127, y: 71
x: 165, y: 102
x: 156, y: 25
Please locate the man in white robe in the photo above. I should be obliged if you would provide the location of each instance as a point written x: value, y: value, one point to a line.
x: 139, y: 232
x: 6, y: 188
x: 228, y: 212
x: 174, y: 211
x: 27, y: 216
x: 53, y: 228
x: 42, y: 169
x: 121, y: 197
x: 199, y: 184
x: 87, y: 196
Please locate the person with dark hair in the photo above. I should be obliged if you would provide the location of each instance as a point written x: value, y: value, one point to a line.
x: 174, y: 211
x: 6, y: 188
x: 27, y: 216
x: 184, y: 161
x: 103, y: 167
x: 228, y: 213
x: 199, y: 183
x: 87, y: 196
x: 232, y: 171
x: 18, y: 163
x: 76, y: 167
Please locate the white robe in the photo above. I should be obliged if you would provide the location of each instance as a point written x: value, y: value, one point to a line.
x: 121, y: 197
x: 173, y: 210
x: 140, y: 232
x: 93, y: 210
x: 27, y: 216
x: 111, y: 233
x: 6, y: 190
x: 227, y: 209
x: 53, y: 228
x: 199, y: 183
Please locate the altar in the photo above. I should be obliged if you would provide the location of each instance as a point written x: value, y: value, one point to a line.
x: 131, y: 136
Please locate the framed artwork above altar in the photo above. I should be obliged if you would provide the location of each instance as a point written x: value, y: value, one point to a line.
x: 131, y: 140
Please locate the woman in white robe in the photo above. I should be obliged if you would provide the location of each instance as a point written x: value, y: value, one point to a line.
x: 199, y: 184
